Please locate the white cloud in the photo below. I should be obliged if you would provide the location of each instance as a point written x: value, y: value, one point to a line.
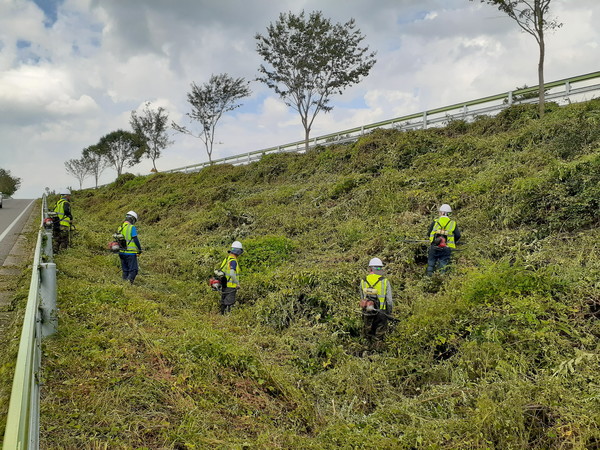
x: 66, y: 85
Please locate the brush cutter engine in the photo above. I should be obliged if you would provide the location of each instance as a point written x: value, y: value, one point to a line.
x: 217, y: 282
x: 118, y: 243
x: 368, y: 303
x: 52, y: 221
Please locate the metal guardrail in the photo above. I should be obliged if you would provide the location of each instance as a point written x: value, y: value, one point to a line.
x: 457, y: 111
x: 22, y: 424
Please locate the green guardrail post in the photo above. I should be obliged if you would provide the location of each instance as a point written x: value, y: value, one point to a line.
x: 48, y: 297
x: 47, y: 251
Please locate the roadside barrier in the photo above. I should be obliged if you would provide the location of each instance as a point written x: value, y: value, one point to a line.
x: 561, y: 89
x: 23, y: 420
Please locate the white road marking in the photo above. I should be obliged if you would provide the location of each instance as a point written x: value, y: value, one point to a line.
x: 3, y: 235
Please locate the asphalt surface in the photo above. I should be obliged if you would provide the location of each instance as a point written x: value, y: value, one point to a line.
x: 16, y: 217
x: 13, y: 217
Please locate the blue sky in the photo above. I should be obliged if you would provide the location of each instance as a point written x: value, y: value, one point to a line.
x: 71, y: 71
x: 50, y: 9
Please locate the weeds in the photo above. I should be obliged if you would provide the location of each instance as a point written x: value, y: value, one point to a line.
x: 499, y: 353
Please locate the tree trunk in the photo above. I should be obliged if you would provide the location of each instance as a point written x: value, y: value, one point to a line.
x: 542, y: 92
x: 209, y: 149
x: 306, y: 137
x: 542, y: 97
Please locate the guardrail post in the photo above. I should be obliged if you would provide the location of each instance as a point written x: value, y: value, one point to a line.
x: 48, y: 295
x: 48, y: 245
x: 425, y: 120
x: 567, y: 88
x: 510, y: 98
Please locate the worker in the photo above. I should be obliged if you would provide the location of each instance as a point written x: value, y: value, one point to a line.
x: 131, y: 247
x: 63, y: 222
x: 443, y: 235
x: 231, y: 268
x: 376, y: 302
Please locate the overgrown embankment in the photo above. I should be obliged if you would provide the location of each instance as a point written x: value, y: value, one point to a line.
x: 502, y: 352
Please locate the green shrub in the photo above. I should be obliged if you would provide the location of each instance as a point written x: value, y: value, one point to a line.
x: 124, y: 178
x: 266, y: 252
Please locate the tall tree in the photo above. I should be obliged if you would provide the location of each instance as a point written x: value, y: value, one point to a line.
x: 94, y: 161
x: 532, y: 17
x: 8, y: 183
x: 209, y: 102
x: 77, y: 168
x: 121, y: 149
x: 152, y: 126
x: 309, y: 60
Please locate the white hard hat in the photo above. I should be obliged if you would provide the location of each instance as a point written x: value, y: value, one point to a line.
x: 65, y: 192
x: 132, y: 214
x: 237, y: 244
x: 375, y: 262
x: 445, y: 208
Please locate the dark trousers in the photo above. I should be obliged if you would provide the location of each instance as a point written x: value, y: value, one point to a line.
x: 438, y: 259
x: 60, y: 238
x: 129, y: 266
x: 227, y: 299
x: 374, y: 326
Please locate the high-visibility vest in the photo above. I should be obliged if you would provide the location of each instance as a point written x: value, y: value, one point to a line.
x: 226, y: 268
x: 126, y: 230
x: 60, y: 212
x: 376, y: 282
x: 444, y: 226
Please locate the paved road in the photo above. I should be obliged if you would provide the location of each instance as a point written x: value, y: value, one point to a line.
x: 13, y: 217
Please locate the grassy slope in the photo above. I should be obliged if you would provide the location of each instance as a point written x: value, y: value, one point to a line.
x: 14, y: 282
x: 500, y: 353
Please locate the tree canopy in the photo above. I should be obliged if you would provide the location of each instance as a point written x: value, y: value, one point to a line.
x: 8, y: 184
x: 94, y: 161
x: 78, y: 168
x: 209, y: 102
x: 121, y: 149
x: 532, y: 18
x: 152, y: 126
x: 309, y: 59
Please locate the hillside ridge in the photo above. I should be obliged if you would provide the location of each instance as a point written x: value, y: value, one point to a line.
x: 501, y: 352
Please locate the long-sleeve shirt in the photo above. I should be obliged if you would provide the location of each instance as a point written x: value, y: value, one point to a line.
x: 67, y: 210
x: 232, y: 272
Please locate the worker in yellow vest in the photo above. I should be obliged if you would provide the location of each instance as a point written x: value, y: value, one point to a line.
x: 131, y: 248
x: 64, y: 220
x: 376, y: 302
x: 443, y: 235
x: 231, y: 268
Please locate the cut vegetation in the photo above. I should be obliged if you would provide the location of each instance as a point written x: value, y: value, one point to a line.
x: 502, y: 352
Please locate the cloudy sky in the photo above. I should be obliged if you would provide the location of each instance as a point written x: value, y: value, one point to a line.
x: 72, y: 71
